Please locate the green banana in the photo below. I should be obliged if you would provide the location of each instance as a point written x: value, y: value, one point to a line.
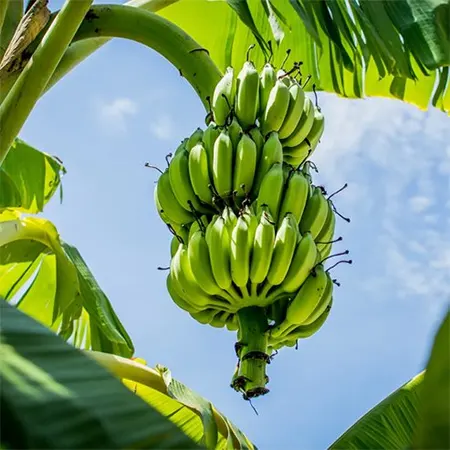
x: 182, y: 234
x: 196, y: 226
x: 209, y: 137
x: 220, y: 319
x: 262, y: 248
x: 235, y: 131
x: 247, y: 95
x: 258, y: 139
x: 181, y: 183
x: 232, y: 323
x: 244, y: 166
x: 199, y: 260
x: 327, y: 231
x: 199, y: 173
x: 230, y: 218
x: 176, y: 298
x: 240, y: 252
x: 205, y: 316
x: 285, y: 240
x: 304, y: 303
x: 272, y: 153
x: 277, y: 107
x: 303, y: 127
x: 306, y: 331
x: 282, y: 76
x: 312, y: 139
x: 295, y: 196
x: 315, y: 213
x: 219, y: 252
x: 302, y: 263
x: 223, y: 159
x: 323, y: 304
x: 271, y: 190
x: 295, y: 110
x: 268, y: 78
x: 194, y: 139
x: 167, y: 203
x: 223, y: 97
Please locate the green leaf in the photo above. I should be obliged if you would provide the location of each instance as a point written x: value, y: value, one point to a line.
x: 433, y: 429
x: 389, y: 425
x: 28, y: 178
x: 53, y: 396
x: 40, y: 263
x: 196, y: 416
x: 112, y: 336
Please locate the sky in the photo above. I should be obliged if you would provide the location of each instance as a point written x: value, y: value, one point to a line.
x: 125, y: 106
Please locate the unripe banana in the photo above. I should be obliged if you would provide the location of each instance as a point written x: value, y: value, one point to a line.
x: 182, y: 234
x: 209, y: 137
x: 240, y: 252
x: 295, y: 196
x: 181, y: 183
x: 305, y: 331
x: 235, y: 131
x: 230, y: 218
x: 323, y: 304
x: 223, y: 159
x: 186, y: 285
x: 327, y: 232
x: 272, y: 153
x: 181, y: 147
x: 312, y: 139
x: 277, y: 107
x: 294, y: 112
x: 176, y: 298
x: 205, y: 316
x: 271, y: 190
x: 244, y: 166
x: 247, y: 95
x: 258, y: 139
x: 303, y: 127
x: 223, y: 97
x: 262, y: 248
x: 199, y: 173
x: 219, y: 252
x: 232, y: 323
x: 220, y: 319
x: 284, y: 247
x: 199, y: 260
x: 315, y: 213
x: 196, y: 226
x: 194, y: 139
x: 304, y: 303
x: 268, y: 78
x: 167, y: 202
x: 282, y: 76
x: 302, y: 263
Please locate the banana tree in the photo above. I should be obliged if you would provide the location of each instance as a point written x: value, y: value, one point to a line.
x: 353, y: 49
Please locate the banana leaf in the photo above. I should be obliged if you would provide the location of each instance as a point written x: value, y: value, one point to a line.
x: 53, y: 396
x: 417, y: 415
x: 196, y: 416
x: 49, y: 280
x: 433, y: 431
x: 351, y: 48
x: 28, y: 178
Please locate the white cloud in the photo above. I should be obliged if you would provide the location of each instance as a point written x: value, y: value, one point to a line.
x: 420, y: 203
x: 114, y: 114
x: 162, y: 127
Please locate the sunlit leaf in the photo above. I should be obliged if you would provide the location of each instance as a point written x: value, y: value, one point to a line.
x: 28, y: 178
x: 53, y: 396
x: 32, y: 266
x: 196, y: 416
x: 389, y: 425
x: 433, y: 430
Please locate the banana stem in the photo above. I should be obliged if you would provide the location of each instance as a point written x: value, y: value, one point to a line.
x: 29, y: 86
x: 253, y: 354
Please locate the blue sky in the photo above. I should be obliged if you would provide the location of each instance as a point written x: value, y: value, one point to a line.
x: 125, y: 106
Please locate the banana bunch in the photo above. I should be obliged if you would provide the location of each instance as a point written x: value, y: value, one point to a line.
x: 215, y: 169
x: 274, y: 102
